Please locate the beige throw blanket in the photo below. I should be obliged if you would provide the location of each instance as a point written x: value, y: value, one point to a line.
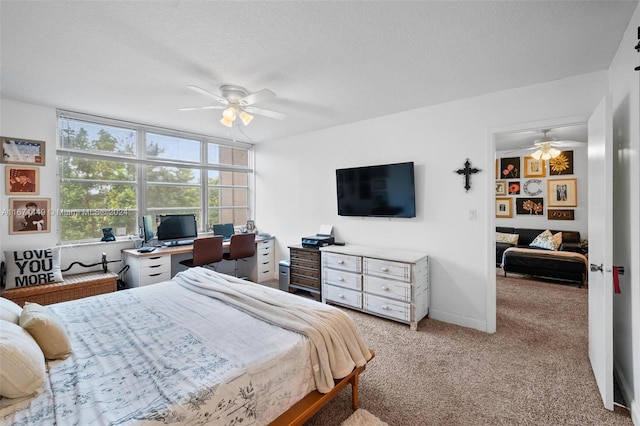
x: 337, y: 347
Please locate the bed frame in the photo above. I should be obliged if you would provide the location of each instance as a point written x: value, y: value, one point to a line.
x: 304, y: 409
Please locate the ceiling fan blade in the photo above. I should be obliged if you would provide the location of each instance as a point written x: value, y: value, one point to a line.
x: 209, y: 94
x: 256, y: 97
x: 265, y: 112
x: 203, y: 107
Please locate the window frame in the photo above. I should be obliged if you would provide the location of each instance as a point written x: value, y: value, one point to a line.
x: 141, y: 161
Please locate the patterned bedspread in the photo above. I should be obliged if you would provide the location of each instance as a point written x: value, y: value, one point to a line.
x: 163, y: 354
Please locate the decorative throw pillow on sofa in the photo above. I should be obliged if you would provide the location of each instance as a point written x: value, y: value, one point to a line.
x: 546, y: 240
x: 32, y: 267
x: 502, y: 237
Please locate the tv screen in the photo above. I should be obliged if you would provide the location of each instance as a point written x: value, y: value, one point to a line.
x: 386, y: 190
x: 176, y: 227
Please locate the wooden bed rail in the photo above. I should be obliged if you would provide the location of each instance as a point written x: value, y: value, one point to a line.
x: 304, y: 409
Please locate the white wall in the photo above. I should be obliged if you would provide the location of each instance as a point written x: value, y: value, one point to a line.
x: 625, y: 90
x: 295, y: 184
x: 580, y: 173
x: 35, y: 122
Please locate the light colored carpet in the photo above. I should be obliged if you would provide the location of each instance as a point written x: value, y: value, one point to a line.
x: 534, y: 370
x: 362, y: 417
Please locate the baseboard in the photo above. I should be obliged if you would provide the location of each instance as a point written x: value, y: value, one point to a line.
x: 460, y: 320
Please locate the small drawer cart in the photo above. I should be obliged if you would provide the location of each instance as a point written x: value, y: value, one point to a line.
x: 388, y: 283
x: 304, y: 271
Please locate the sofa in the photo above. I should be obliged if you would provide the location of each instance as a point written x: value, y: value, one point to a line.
x: 564, y: 260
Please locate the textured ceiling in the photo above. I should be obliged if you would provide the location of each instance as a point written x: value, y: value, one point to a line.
x: 329, y: 63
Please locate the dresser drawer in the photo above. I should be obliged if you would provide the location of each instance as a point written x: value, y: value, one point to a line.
x: 154, y: 277
x: 304, y: 281
x: 385, y: 268
x: 264, y: 246
x: 155, y: 265
x: 343, y: 296
x: 343, y: 262
x: 387, y: 307
x: 304, y: 256
x: 388, y: 288
x: 342, y: 279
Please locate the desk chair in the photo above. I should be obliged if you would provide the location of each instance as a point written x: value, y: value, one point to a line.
x: 241, y: 246
x: 205, y: 252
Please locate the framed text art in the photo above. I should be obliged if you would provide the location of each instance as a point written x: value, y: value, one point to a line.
x: 534, y: 168
x: 560, y: 214
x: 504, y: 207
x: 562, y: 193
x: 23, y: 151
x: 530, y: 206
x: 29, y: 215
x: 501, y: 187
x: 22, y: 180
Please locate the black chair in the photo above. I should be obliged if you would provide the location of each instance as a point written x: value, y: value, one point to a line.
x: 205, y: 252
x: 241, y: 246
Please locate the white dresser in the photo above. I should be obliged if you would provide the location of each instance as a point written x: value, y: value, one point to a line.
x: 148, y: 269
x: 265, y: 261
x: 389, y: 283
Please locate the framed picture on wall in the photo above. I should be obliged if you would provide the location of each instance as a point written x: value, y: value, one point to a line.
x: 22, y: 180
x: 514, y: 187
x: 29, y: 215
x: 562, y: 164
x: 504, y: 207
x: 510, y: 168
x: 534, y: 168
x: 562, y: 192
x: 501, y: 187
x: 560, y: 214
x: 23, y: 151
x: 529, y: 206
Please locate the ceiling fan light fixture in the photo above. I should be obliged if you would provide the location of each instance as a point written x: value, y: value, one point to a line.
x: 226, y: 122
x: 229, y: 113
x: 245, y: 117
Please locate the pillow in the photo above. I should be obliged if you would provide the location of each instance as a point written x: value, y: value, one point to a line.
x: 22, y: 367
x: 544, y: 241
x: 557, y: 240
x: 48, y: 330
x: 502, y: 237
x: 32, y: 267
x: 9, y: 310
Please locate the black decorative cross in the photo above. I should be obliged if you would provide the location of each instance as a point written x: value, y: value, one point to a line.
x: 467, y: 172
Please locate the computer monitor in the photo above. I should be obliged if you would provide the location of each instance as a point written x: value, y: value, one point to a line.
x: 176, y: 229
x: 147, y: 228
x: 224, y: 229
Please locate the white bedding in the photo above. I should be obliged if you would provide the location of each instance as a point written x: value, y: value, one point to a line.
x: 165, y: 354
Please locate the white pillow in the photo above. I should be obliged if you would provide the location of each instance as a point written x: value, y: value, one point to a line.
x: 48, y: 330
x: 32, y: 267
x: 544, y: 241
x: 22, y: 367
x: 502, y: 237
x: 557, y: 240
x: 9, y: 310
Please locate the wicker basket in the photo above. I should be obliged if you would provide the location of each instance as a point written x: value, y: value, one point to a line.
x: 75, y: 286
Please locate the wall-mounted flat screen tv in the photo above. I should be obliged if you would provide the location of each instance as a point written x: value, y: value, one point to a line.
x: 386, y: 190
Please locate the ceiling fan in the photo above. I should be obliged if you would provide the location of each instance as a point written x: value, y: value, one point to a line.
x: 549, y: 147
x: 236, y: 101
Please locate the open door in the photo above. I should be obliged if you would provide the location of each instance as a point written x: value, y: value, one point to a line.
x: 600, y: 149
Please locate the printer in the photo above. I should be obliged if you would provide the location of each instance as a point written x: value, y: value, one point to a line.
x: 323, y: 238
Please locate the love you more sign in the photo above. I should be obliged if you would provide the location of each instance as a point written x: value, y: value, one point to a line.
x: 32, y: 267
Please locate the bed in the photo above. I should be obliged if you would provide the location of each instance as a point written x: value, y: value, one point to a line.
x: 203, y: 348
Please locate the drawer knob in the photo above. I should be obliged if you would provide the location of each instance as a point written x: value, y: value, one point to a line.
x: 340, y: 262
x: 341, y: 296
x: 385, y: 269
x: 340, y: 279
x: 385, y: 288
x: 385, y: 307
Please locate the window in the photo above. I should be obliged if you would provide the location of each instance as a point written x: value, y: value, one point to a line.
x: 111, y: 173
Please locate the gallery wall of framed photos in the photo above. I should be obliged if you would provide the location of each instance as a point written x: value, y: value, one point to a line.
x: 532, y: 193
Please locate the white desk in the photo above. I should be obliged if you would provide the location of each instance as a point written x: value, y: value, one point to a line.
x: 163, y: 263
